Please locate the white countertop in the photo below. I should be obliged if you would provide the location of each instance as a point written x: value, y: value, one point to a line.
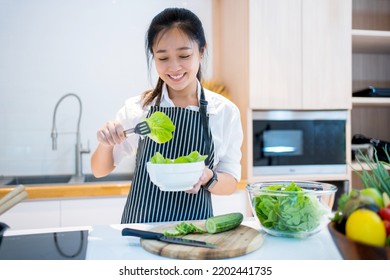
x: 106, y: 242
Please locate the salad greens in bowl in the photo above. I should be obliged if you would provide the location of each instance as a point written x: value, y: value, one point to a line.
x: 295, y: 209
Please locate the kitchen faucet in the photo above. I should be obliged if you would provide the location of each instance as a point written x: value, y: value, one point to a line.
x: 78, y: 176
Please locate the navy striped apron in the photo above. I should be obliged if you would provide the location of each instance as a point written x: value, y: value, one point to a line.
x: 146, y: 203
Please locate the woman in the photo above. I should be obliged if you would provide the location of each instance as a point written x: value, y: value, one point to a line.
x: 176, y: 43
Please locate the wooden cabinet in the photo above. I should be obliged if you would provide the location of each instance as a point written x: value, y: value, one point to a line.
x: 282, y: 54
x: 275, y: 52
x: 370, y: 67
x: 300, y: 56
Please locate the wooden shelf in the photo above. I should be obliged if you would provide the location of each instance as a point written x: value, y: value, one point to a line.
x: 313, y: 177
x: 371, y: 101
x: 370, y: 41
x: 356, y: 166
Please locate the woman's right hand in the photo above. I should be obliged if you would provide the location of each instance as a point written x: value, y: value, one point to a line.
x: 111, y: 133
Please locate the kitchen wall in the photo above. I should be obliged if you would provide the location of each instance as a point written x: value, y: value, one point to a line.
x: 93, y: 48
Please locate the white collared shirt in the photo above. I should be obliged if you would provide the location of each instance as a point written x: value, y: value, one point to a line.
x: 225, y: 125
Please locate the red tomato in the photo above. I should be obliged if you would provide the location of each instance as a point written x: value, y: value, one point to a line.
x: 387, y: 226
x: 384, y: 213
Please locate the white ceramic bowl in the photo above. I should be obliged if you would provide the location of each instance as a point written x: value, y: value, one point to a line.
x: 290, y: 213
x: 175, y: 176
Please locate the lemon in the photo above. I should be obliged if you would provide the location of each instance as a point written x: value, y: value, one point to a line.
x: 366, y: 226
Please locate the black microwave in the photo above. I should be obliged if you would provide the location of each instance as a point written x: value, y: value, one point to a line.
x: 299, y: 142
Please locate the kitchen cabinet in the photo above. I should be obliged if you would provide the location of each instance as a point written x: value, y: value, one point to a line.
x: 370, y: 67
x: 300, y: 54
x: 283, y: 54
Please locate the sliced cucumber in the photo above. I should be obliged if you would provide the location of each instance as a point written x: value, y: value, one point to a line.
x: 198, y: 229
x: 184, y: 228
x: 214, y: 224
x: 172, y: 232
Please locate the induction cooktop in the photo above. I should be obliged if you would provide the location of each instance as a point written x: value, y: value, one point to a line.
x: 66, y: 245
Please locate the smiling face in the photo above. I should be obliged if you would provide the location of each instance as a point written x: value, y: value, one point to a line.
x: 177, y: 60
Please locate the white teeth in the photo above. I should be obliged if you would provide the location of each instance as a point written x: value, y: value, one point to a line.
x: 176, y: 77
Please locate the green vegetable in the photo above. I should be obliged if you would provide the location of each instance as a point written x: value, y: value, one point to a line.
x: 192, y: 157
x: 172, y: 232
x: 298, y: 212
x: 224, y: 222
x: 350, y: 202
x: 184, y: 228
x: 344, y: 198
x: 161, y: 127
x: 197, y: 229
x: 214, y: 224
x: 376, y: 174
x: 158, y: 158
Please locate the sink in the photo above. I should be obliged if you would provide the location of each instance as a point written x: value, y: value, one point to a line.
x: 45, y: 179
x: 61, y: 179
x: 108, y: 178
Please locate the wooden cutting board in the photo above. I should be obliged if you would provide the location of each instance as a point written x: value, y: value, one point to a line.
x: 236, y: 242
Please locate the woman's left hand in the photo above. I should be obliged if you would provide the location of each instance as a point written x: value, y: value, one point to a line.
x: 204, y: 178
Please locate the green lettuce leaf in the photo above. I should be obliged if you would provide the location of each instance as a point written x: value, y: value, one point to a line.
x: 157, y: 158
x: 161, y: 127
x: 194, y: 156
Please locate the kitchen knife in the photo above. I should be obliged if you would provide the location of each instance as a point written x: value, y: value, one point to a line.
x: 161, y: 237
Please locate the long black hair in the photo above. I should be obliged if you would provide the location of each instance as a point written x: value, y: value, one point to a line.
x: 180, y: 18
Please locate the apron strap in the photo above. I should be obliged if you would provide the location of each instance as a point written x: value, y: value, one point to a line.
x: 205, y: 123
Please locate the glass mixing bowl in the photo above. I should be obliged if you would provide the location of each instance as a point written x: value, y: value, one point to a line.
x: 295, y: 209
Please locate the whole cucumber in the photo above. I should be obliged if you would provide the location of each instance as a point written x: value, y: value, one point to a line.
x: 223, y: 222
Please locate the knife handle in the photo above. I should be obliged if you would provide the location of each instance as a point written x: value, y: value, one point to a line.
x: 141, y: 233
